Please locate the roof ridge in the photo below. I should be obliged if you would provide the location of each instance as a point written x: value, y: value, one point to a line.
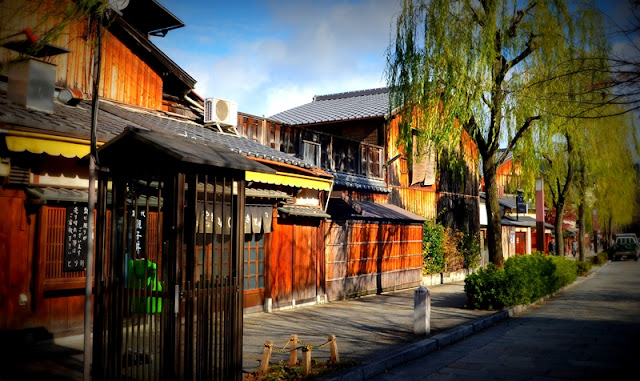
x: 350, y: 94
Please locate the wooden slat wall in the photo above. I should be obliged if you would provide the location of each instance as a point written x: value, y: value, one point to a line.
x: 280, y: 268
x: 125, y: 76
x: 16, y: 230
x: 370, y: 257
x: 294, y: 261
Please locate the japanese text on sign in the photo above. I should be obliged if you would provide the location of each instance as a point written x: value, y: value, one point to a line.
x: 76, y: 234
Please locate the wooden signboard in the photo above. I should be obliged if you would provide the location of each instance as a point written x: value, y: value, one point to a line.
x: 75, y: 238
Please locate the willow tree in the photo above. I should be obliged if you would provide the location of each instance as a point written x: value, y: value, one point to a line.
x: 558, y: 172
x: 614, y: 175
x: 591, y: 165
x: 493, y: 69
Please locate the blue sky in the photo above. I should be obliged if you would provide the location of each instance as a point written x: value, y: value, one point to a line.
x: 272, y: 55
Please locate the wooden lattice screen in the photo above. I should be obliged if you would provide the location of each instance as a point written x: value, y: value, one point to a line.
x: 51, y: 249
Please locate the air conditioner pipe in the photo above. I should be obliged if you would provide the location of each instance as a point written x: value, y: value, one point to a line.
x: 196, y: 104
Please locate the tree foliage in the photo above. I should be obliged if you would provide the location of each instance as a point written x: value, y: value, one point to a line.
x: 495, y: 69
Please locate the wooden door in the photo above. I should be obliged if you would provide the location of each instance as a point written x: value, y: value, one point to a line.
x: 304, y: 262
x: 521, y: 243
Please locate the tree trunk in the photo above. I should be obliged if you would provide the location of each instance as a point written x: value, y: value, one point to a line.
x: 609, y: 232
x: 581, y: 228
x: 558, y: 229
x: 494, y: 225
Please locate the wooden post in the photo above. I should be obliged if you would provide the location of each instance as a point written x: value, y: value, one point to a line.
x: 306, y: 361
x: 293, y: 352
x: 266, y: 357
x: 333, y: 347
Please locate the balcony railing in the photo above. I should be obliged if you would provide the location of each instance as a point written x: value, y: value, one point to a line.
x: 329, y: 152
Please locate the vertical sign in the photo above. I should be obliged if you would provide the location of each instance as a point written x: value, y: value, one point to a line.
x: 75, y: 238
x: 140, y: 222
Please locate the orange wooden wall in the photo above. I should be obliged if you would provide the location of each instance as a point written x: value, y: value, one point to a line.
x: 368, y: 251
x: 294, y: 265
x: 125, y: 76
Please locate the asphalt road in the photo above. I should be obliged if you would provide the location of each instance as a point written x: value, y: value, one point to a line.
x: 590, y: 331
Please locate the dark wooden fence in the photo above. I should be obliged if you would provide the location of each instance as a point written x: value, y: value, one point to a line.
x: 169, y: 279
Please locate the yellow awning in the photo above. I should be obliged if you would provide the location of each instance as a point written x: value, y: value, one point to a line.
x: 18, y: 141
x: 290, y: 180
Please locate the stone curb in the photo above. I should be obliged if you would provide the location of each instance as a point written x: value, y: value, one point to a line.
x: 412, y: 351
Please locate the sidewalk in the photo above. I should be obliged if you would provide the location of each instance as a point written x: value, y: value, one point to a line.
x: 365, y: 328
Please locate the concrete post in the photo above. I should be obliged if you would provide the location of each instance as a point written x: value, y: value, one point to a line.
x: 421, y: 311
x: 268, y: 305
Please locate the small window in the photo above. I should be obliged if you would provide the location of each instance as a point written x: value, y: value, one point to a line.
x: 311, y: 153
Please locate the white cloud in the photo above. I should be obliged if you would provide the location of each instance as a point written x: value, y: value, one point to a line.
x: 303, y: 48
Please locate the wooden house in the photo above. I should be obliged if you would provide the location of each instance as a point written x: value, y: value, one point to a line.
x: 381, y: 196
x: 518, y: 225
x: 42, y: 186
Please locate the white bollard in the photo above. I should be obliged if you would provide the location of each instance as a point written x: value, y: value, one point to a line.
x: 268, y: 305
x: 421, y: 311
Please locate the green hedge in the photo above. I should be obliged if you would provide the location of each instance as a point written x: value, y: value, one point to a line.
x: 600, y: 259
x: 583, y: 267
x: 523, y: 279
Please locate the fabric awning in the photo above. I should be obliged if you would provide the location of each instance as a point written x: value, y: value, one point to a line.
x: 18, y: 141
x: 290, y: 180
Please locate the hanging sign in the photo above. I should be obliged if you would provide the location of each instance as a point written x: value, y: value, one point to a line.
x: 256, y: 219
x: 267, y: 217
x: 75, y: 238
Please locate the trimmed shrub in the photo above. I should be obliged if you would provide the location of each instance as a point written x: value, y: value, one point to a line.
x: 566, y: 272
x: 583, y: 267
x: 530, y: 277
x: 486, y: 288
x: 600, y: 259
x: 524, y: 279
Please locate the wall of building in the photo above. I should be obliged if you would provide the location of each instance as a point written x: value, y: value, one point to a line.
x: 125, y: 76
x: 363, y: 258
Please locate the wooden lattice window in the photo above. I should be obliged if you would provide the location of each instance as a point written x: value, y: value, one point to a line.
x: 253, y: 262
x: 51, y: 248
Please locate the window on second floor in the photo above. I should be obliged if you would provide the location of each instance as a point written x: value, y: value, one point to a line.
x: 311, y: 152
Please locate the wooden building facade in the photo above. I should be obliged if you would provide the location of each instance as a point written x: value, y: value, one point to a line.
x: 374, y: 246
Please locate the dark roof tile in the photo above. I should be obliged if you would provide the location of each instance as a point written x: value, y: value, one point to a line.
x: 113, y: 118
x: 336, y: 107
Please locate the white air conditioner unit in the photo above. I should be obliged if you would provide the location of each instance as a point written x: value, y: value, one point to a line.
x: 221, y: 112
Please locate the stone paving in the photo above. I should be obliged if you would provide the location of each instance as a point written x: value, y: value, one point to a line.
x: 365, y: 328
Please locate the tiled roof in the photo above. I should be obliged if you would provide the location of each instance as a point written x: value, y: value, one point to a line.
x: 359, y: 182
x: 303, y: 211
x: 337, y: 107
x: 341, y: 210
x: 173, y: 147
x: 522, y: 221
x: 267, y: 193
x: 75, y: 121
x: 508, y: 201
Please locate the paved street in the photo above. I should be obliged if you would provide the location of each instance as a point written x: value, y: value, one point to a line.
x: 591, y: 331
